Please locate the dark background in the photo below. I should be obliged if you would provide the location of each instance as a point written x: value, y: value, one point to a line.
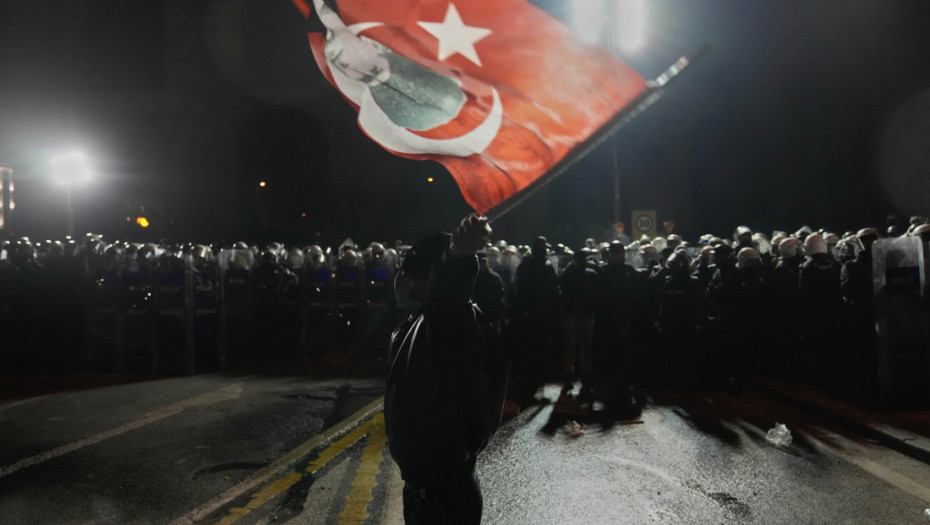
x: 803, y: 112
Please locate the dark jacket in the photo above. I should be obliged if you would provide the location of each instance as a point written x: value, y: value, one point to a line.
x: 489, y: 294
x: 447, y: 377
x: 578, y: 285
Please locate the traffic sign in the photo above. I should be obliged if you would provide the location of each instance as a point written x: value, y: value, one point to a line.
x: 644, y: 223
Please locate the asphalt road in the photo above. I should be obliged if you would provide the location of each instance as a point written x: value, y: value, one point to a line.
x: 150, y: 452
x: 258, y: 449
x: 698, y: 459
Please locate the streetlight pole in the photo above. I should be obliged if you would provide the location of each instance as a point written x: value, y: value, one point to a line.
x: 614, y: 153
x: 616, y: 172
x: 620, y: 25
x: 70, y: 212
x: 258, y: 202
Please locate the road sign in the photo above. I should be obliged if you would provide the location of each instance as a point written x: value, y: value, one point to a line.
x: 644, y: 223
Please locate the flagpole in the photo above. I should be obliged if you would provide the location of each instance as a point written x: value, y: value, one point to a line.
x: 654, y: 91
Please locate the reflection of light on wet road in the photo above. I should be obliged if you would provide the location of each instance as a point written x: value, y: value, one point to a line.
x: 621, y: 473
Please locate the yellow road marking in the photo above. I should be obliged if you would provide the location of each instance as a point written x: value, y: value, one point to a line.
x: 356, y: 509
x: 374, y: 427
x: 200, y: 513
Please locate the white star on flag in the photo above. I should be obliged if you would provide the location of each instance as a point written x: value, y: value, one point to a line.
x: 454, y: 36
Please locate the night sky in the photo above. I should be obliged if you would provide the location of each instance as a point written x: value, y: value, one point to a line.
x: 803, y: 112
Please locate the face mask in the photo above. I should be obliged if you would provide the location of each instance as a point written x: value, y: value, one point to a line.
x: 403, y: 287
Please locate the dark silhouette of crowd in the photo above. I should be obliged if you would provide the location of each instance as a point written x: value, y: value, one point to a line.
x: 606, y: 315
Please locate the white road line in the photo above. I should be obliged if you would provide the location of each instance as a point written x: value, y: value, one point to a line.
x: 292, y: 457
x: 20, y: 402
x: 226, y: 393
x: 890, y: 476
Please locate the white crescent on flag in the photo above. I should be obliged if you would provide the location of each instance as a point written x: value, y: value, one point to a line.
x: 372, y: 118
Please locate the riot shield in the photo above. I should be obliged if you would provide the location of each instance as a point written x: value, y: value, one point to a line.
x: 103, y: 320
x: 320, y: 298
x: 379, y: 305
x: 899, y: 276
x: 349, y: 306
x: 139, y: 346
x: 234, y: 331
x: 171, y: 289
x: 206, y: 317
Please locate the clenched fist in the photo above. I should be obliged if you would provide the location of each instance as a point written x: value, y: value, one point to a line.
x: 472, y: 234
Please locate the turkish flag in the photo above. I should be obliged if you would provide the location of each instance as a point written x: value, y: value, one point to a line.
x: 498, y: 91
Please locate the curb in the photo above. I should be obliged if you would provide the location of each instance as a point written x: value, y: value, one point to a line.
x: 903, y: 441
x: 323, y: 439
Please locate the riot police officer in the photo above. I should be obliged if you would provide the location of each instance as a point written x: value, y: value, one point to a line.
x: 677, y: 323
x: 821, y: 301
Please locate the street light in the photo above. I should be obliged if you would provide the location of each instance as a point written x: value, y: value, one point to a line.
x: 625, y: 24
x: 70, y: 169
x: 588, y: 20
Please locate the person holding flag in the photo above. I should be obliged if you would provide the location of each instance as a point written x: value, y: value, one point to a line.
x: 447, y: 378
x: 506, y: 97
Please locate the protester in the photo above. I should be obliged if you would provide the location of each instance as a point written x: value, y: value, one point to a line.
x: 446, y: 381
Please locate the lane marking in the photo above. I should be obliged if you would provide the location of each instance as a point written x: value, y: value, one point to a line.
x: 373, y: 427
x: 393, y: 511
x: 21, y: 402
x: 227, y: 393
x: 878, y: 470
x: 263, y: 475
x: 356, y: 509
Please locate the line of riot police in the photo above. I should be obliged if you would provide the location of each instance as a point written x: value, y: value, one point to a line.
x: 806, y: 306
x: 809, y: 306
x: 162, y: 308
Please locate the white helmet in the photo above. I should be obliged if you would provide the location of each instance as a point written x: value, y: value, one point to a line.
x: 814, y: 244
x: 295, y: 258
x: 660, y: 243
x: 761, y: 243
x: 788, y: 247
x: 748, y: 257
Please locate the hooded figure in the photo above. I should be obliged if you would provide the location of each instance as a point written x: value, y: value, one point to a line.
x: 447, y: 378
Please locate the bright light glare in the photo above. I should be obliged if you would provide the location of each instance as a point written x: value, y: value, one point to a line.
x: 262, y: 184
x: 628, y: 20
x: 142, y: 221
x: 588, y: 20
x: 71, y: 168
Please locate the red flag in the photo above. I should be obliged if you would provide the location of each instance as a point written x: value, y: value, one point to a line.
x: 498, y: 91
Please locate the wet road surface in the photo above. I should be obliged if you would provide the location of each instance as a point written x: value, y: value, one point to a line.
x: 253, y: 449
